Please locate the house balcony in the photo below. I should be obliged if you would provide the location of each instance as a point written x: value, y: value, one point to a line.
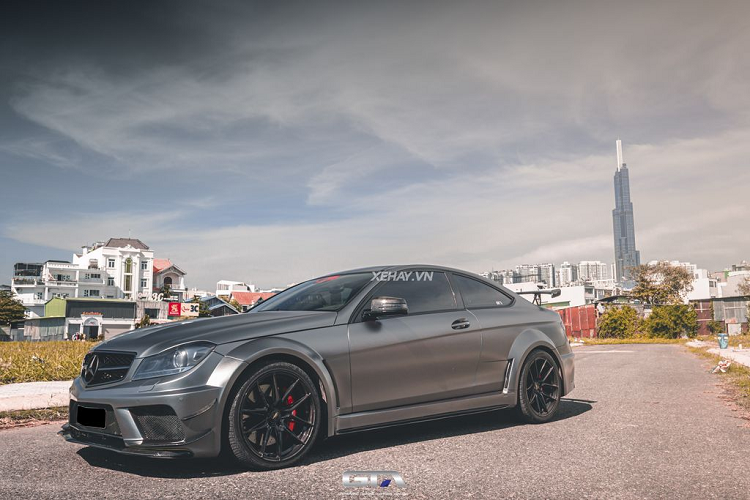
x: 27, y: 282
x: 63, y: 283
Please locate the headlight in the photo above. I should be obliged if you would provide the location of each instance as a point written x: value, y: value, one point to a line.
x: 177, y: 360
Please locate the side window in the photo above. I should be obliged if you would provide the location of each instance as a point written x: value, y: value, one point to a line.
x: 423, y: 292
x: 477, y: 294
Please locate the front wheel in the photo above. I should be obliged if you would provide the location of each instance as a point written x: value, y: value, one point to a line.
x: 274, y: 417
x: 539, y: 388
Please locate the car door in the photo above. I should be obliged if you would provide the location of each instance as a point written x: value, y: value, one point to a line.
x: 427, y: 355
x: 498, y: 322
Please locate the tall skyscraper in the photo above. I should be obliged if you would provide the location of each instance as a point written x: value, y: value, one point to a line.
x: 626, y: 256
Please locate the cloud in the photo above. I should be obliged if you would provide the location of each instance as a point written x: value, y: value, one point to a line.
x: 292, y: 142
x: 494, y: 220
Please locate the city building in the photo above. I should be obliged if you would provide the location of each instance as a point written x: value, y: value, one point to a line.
x: 218, y: 307
x: 248, y: 300
x: 566, y: 274
x: 547, y: 274
x: 626, y: 255
x: 68, y: 318
x: 167, y: 274
x: 226, y: 287
x: 592, y: 270
x: 120, y: 268
x: 195, y: 292
x: 127, y: 264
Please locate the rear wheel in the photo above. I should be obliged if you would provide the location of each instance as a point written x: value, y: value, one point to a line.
x: 274, y: 417
x: 539, y: 388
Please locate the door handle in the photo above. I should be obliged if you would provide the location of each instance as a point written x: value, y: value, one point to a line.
x: 460, y: 324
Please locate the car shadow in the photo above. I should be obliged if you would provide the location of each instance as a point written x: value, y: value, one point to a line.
x: 330, y: 449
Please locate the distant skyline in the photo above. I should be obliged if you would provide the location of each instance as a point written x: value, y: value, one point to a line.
x: 271, y: 143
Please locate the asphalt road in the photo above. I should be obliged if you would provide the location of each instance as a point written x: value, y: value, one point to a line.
x: 644, y: 422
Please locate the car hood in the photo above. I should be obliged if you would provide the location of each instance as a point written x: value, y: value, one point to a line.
x: 154, y: 339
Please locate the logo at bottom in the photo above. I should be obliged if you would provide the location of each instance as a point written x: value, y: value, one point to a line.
x: 372, y: 479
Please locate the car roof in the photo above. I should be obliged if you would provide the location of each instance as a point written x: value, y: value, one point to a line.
x: 401, y: 267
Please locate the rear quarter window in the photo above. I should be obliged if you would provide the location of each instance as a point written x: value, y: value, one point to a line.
x: 477, y: 294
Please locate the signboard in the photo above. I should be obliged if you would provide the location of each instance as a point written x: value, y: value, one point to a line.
x: 174, y: 309
x: 183, y: 309
x: 190, y: 309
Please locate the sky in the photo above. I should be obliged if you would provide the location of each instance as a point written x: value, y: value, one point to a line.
x: 272, y: 142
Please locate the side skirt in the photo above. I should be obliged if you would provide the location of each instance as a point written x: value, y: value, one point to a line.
x: 369, y: 420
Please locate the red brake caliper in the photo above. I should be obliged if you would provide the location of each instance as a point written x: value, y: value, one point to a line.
x: 289, y: 401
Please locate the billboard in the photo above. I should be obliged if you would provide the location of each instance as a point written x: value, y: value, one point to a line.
x: 183, y: 309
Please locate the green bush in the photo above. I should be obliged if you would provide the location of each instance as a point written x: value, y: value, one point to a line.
x: 672, y: 322
x: 619, y: 323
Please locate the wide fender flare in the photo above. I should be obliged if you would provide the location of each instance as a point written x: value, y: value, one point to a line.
x: 526, y: 342
x: 260, y: 348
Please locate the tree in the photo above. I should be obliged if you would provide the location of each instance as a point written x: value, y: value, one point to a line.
x: 619, y: 323
x: 166, y: 292
x: 744, y: 287
x: 11, y: 309
x: 144, y: 322
x: 234, y: 303
x: 672, y: 321
x: 660, y: 283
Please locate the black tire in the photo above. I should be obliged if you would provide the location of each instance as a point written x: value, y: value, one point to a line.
x: 273, y: 402
x: 539, y: 388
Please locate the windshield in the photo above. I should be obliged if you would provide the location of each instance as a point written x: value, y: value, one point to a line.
x: 323, y: 294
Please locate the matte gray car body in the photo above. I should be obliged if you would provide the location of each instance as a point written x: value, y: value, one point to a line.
x: 367, y: 378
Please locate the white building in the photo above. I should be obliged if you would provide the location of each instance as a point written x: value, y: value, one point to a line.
x: 120, y: 268
x: 35, y: 284
x: 226, y: 287
x: 570, y: 296
x: 168, y: 275
x: 567, y: 274
x: 593, y: 270
x: 127, y: 264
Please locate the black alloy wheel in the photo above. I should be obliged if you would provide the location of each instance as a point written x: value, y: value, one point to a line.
x: 275, y: 417
x: 539, y: 388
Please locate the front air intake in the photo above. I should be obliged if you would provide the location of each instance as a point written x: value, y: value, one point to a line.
x: 158, y: 423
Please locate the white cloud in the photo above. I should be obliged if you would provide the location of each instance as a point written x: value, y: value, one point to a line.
x: 494, y: 119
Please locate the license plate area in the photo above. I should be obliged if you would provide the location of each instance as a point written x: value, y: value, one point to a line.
x: 92, y: 417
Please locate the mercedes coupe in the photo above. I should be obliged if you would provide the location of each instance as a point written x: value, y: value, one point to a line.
x: 342, y: 353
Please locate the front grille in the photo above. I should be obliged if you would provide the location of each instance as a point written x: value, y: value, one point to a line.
x: 158, y: 423
x: 101, y: 367
x: 110, y: 422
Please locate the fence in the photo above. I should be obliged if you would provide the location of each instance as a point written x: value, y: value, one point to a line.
x: 579, y: 321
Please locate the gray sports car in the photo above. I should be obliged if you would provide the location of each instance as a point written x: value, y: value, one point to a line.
x: 347, y: 352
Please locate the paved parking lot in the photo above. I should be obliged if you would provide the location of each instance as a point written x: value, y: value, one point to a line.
x: 646, y: 421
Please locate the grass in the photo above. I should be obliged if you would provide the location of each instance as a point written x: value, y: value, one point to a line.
x: 633, y: 340
x: 736, y: 380
x: 24, y: 418
x: 41, y: 361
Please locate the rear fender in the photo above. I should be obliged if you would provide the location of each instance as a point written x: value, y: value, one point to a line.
x: 526, y: 342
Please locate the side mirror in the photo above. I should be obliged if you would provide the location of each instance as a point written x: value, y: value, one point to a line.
x: 383, y: 307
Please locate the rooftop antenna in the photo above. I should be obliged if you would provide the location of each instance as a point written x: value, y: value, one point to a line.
x: 619, y: 155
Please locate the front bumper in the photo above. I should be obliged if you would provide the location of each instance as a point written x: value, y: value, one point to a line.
x: 173, y: 417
